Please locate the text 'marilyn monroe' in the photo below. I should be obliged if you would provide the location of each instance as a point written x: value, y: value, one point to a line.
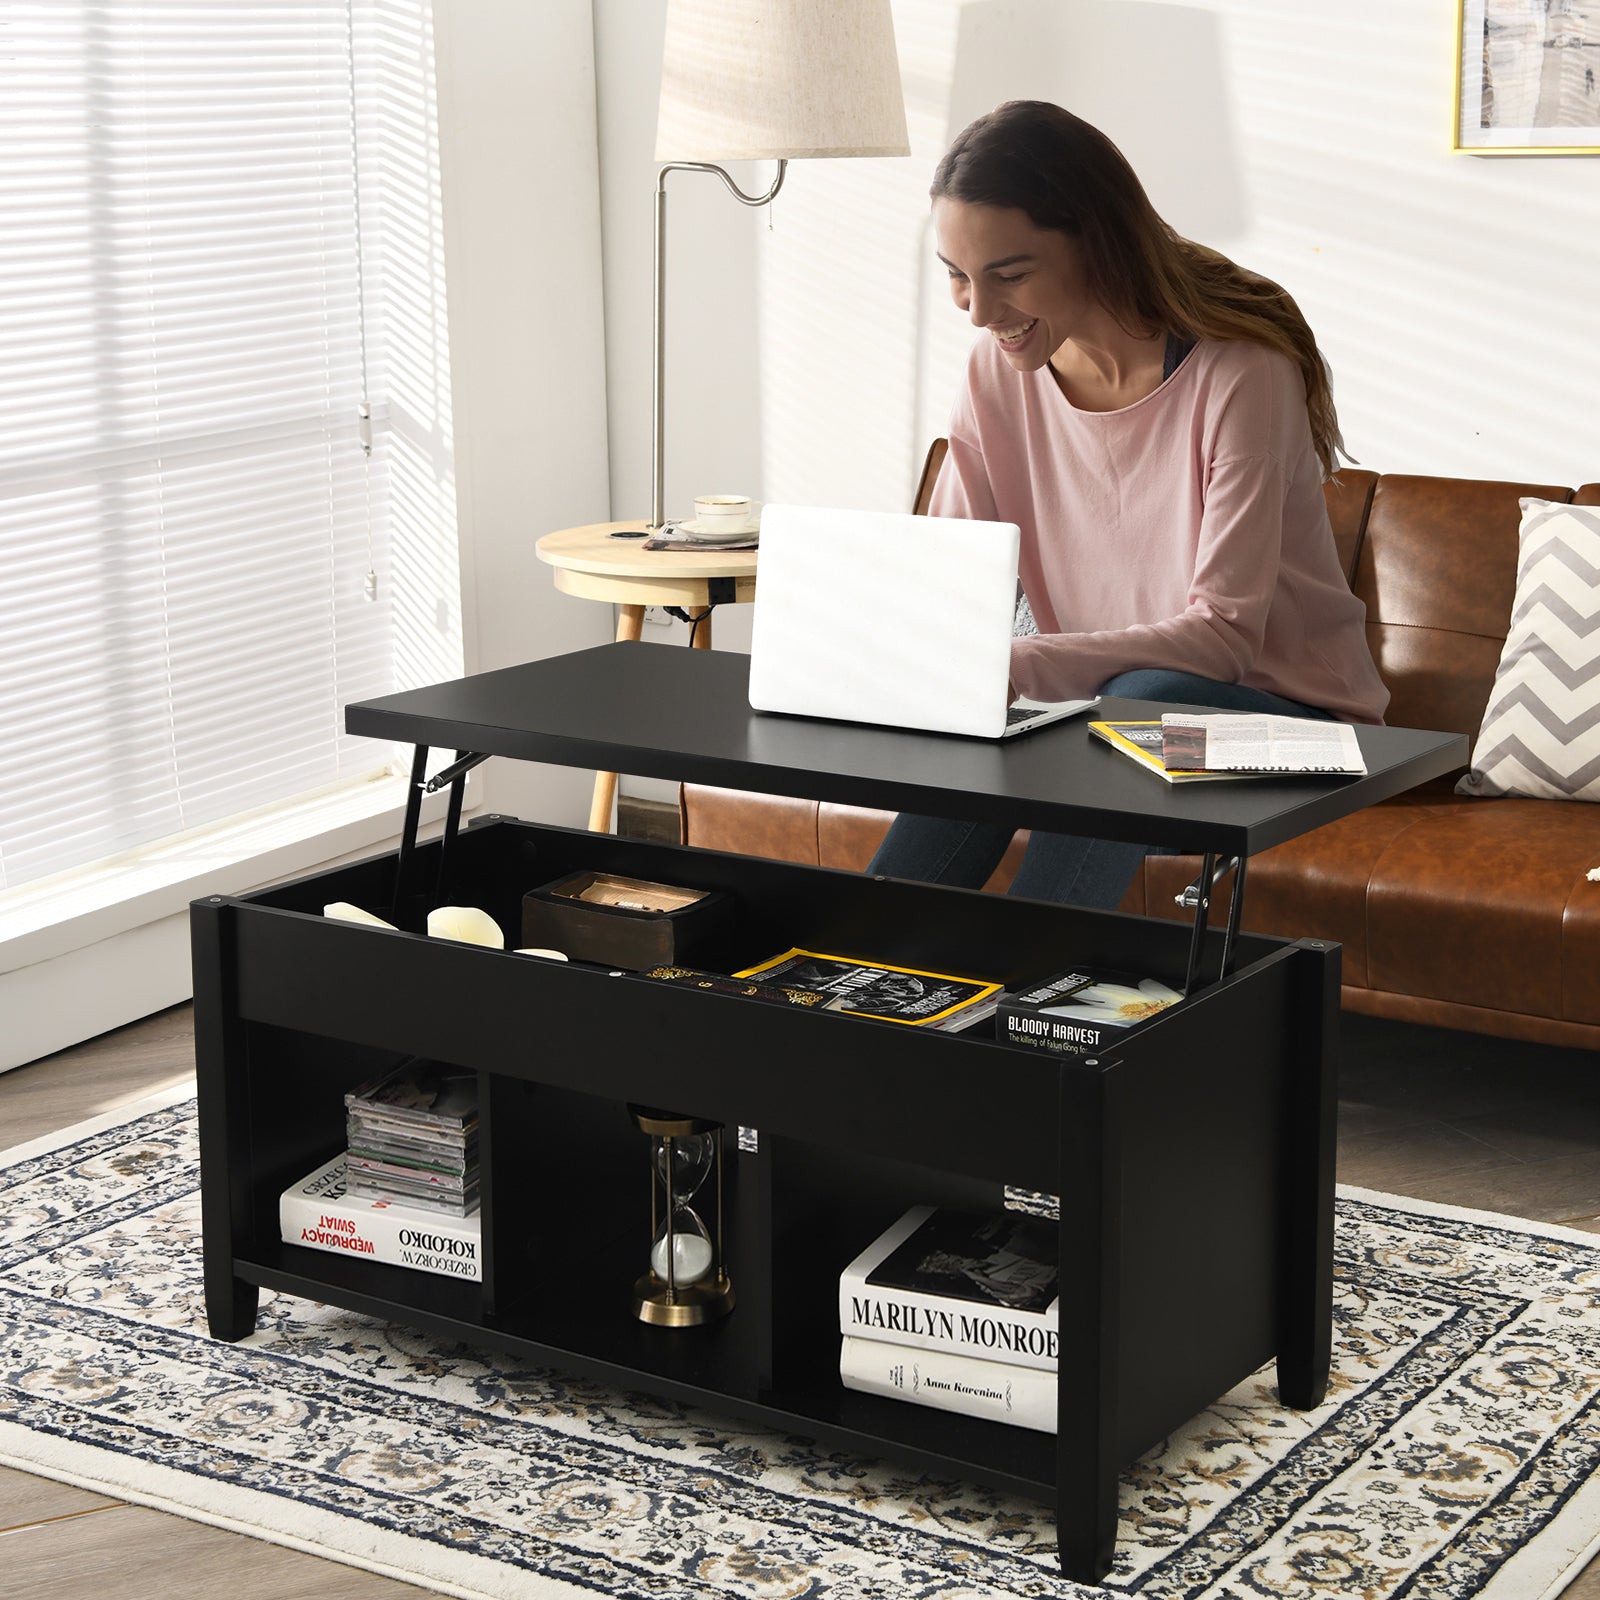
x: 970, y: 1327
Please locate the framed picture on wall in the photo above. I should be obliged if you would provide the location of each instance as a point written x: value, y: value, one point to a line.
x: 1528, y: 77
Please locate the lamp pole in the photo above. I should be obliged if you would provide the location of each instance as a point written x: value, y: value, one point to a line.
x: 658, y: 409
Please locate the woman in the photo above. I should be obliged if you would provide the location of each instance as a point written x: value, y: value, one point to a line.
x: 1158, y: 422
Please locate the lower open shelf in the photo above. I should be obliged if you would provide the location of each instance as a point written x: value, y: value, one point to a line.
x: 374, y: 1288
x: 585, y: 1324
x: 944, y: 1443
x: 690, y: 1365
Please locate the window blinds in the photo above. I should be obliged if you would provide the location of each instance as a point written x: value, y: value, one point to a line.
x: 190, y: 320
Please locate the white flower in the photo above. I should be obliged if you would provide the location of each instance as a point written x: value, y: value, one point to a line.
x: 1116, y: 1003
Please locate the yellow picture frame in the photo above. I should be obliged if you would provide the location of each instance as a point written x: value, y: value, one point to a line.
x: 1527, y: 78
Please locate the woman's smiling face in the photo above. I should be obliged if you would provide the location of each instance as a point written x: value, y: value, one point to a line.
x: 1023, y: 284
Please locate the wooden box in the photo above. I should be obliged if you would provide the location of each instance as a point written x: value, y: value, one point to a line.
x: 630, y: 923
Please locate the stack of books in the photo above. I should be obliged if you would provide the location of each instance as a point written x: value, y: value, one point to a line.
x: 406, y: 1190
x: 412, y: 1137
x: 959, y: 1311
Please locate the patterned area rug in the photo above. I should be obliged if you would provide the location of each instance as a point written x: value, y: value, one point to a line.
x: 1455, y: 1456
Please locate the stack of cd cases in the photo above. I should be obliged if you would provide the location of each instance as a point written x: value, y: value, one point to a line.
x: 412, y: 1138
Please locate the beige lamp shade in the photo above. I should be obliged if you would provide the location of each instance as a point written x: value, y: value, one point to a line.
x: 765, y: 80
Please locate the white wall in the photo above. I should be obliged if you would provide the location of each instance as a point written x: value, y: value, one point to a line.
x: 520, y: 174
x: 1453, y: 295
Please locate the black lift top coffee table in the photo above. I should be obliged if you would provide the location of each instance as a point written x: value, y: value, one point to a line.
x: 1195, y: 1168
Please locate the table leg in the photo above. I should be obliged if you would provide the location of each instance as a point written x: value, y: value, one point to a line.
x: 226, y: 1214
x: 1090, y: 1252
x: 1305, y: 1309
x: 700, y: 629
x: 630, y: 624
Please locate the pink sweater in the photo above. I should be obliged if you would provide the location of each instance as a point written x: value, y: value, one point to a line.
x: 1187, y: 530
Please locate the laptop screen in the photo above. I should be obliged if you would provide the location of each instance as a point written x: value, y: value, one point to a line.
x: 884, y: 617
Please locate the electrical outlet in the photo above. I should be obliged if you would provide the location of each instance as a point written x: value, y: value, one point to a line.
x: 655, y: 617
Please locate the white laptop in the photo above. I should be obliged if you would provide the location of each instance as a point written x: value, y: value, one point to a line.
x: 883, y: 617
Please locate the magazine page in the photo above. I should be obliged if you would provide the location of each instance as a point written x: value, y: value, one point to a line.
x: 1243, y: 743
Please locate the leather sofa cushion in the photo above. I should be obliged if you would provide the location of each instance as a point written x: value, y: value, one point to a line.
x: 1313, y: 887
x: 812, y: 833
x: 1437, y: 570
x: 1478, y: 903
x: 1483, y: 904
x: 774, y: 825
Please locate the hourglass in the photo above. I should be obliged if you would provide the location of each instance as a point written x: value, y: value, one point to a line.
x: 687, y: 1283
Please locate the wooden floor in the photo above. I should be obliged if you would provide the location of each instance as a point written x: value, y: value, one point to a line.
x: 1443, y: 1116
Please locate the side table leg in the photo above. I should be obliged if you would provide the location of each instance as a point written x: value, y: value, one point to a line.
x: 700, y: 629
x: 630, y: 624
x: 1311, y: 1108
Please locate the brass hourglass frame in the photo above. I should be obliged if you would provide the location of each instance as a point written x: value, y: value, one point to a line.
x: 663, y: 1301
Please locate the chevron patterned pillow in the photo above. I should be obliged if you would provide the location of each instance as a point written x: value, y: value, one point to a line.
x: 1541, y: 728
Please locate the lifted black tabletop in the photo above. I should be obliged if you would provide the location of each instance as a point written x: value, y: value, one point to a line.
x: 662, y: 711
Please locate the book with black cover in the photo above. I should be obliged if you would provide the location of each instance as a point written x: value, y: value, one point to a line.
x: 1082, y: 1010
x: 875, y: 989
x: 745, y: 988
x: 1004, y: 1259
x: 978, y: 1283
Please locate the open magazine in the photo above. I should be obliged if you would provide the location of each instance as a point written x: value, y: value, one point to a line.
x: 1245, y: 743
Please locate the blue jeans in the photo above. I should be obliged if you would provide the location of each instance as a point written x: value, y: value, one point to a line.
x: 1060, y: 866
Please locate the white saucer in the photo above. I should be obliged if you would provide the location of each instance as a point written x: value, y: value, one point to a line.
x: 720, y: 531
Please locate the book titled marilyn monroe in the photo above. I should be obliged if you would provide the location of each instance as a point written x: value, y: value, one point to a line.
x: 977, y: 1284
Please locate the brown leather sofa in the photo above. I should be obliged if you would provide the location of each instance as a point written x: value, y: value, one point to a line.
x: 1464, y: 913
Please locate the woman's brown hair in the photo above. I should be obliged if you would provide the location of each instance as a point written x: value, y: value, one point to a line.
x: 1030, y: 156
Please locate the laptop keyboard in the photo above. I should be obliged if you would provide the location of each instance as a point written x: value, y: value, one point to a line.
x: 1016, y: 714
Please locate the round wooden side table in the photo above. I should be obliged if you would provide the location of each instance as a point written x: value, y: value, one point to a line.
x: 599, y: 562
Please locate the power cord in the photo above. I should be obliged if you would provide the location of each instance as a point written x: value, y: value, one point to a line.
x: 694, y: 622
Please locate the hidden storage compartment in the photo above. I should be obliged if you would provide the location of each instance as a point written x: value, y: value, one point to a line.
x: 776, y: 906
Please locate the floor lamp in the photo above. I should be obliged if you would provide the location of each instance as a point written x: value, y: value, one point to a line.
x: 767, y: 80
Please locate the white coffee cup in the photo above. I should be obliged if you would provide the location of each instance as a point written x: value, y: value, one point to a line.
x: 721, y: 513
